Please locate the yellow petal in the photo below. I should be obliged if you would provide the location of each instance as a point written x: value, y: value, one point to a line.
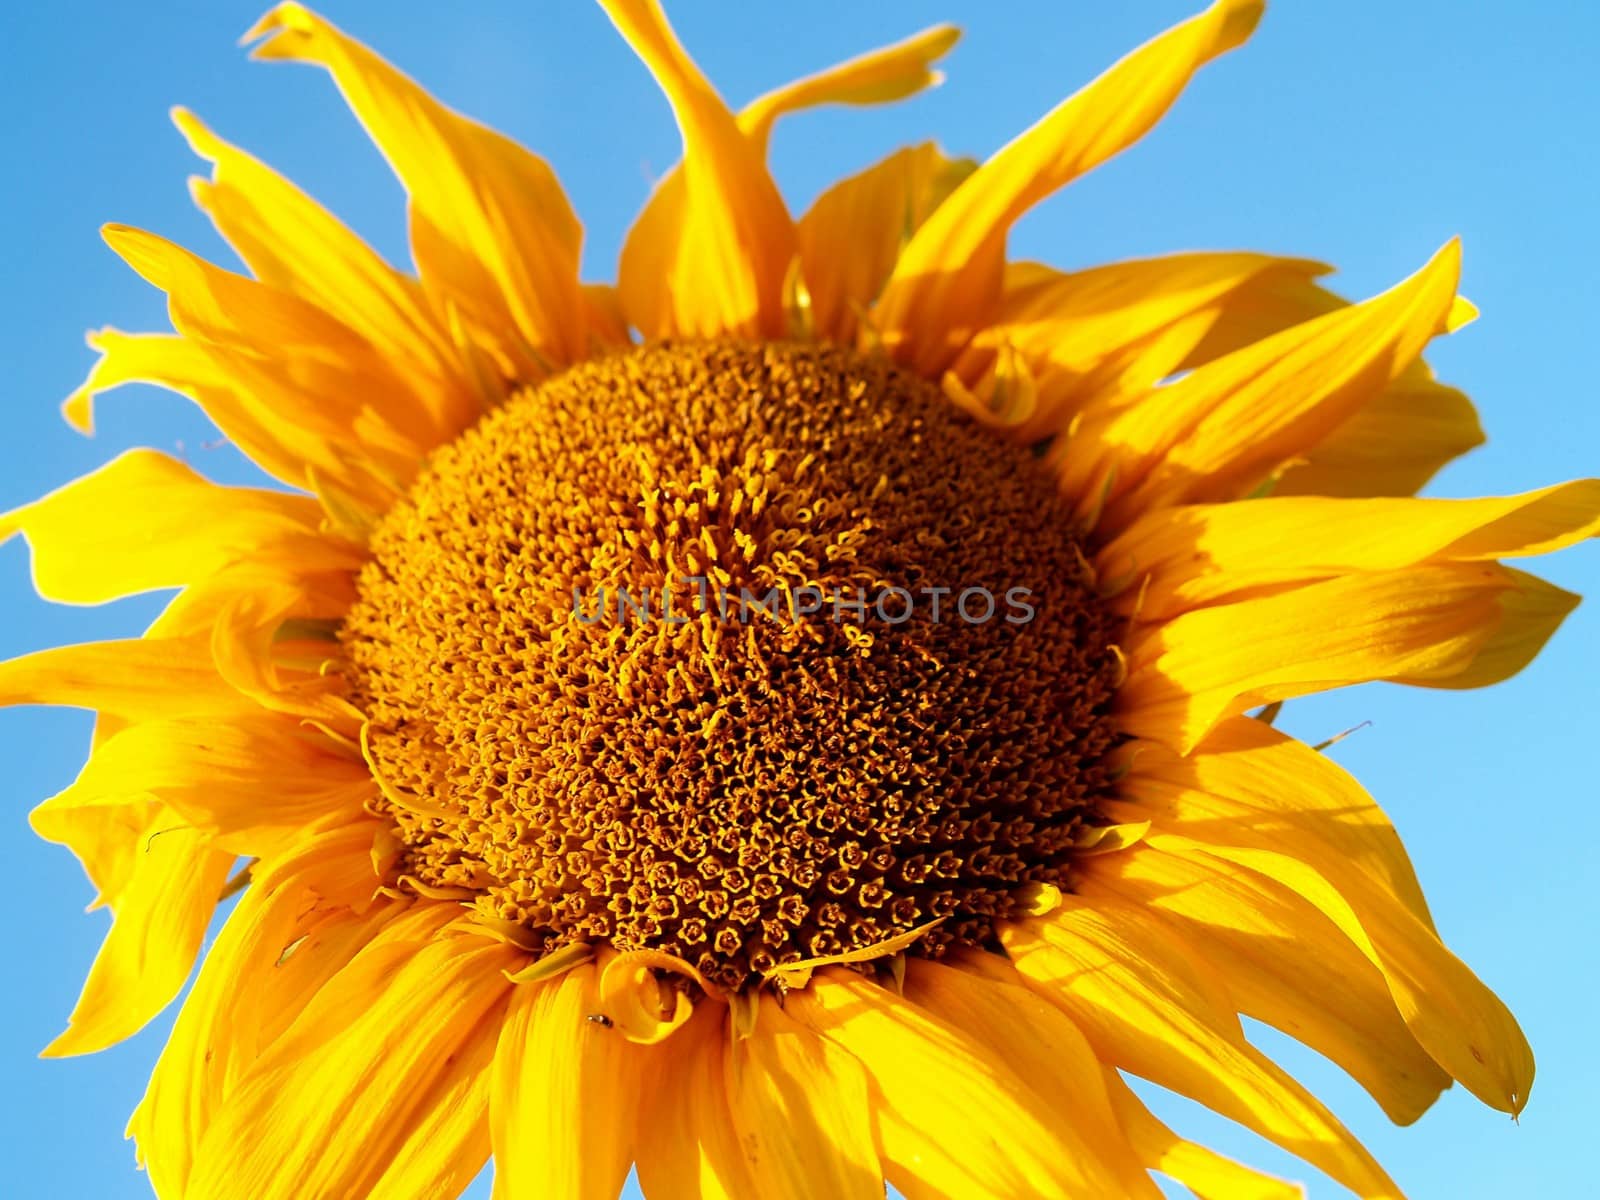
x: 1393, y: 445
x: 641, y: 1005
x: 107, y: 838
x: 1286, y: 965
x: 1423, y: 624
x: 161, y: 359
x: 1095, y: 337
x: 1220, y: 431
x: 145, y: 521
x: 159, y: 916
x: 934, y: 1083
x: 447, y: 1139
x: 322, y: 376
x: 607, y: 323
x: 735, y: 239
x: 293, y: 930
x: 688, y: 1147
x: 1531, y: 610
x: 981, y: 994
x: 292, y: 243
x: 1005, y: 393
x: 212, y: 304
x: 1273, y: 310
x: 802, y: 1110
x: 493, y: 235
x: 266, y: 627
x: 852, y: 235
x: 1260, y: 787
x: 1459, y: 1021
x: 1241, y: 769
x: 137, y: 679
x: 1196, y: 555
x: 1148, y: 1006
x: 319, y: 1114
x: 565, y: 1094
x: 879, y: 76
x: 1204, y: 1172
x: 949, y: 277
x: 203, y: 373
x: 244, y: 781
x: 890, y: 73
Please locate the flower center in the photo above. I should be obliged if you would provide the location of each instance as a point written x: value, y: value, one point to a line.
x: 749, y: 654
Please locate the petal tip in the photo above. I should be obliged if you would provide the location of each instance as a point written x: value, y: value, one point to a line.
x: 941, y: 38
x: 200, y: 138
x: 65, y: 1045
x: 1463, y: 312
x: 279, y: 16
x: 1239, y: 20
x: 77, y: 410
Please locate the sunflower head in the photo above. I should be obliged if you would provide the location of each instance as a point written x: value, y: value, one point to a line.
x: 745, y: 653
x: 794, y: 718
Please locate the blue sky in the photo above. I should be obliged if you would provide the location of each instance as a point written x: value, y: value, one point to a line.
x: 1364, y: 134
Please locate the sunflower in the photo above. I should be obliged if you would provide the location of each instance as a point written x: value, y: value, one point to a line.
x: 795, y: 719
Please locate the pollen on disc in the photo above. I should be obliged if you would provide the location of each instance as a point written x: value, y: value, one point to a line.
x: 582, y: 723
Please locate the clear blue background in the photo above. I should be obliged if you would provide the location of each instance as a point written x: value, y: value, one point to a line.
x: 1364, y: 133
